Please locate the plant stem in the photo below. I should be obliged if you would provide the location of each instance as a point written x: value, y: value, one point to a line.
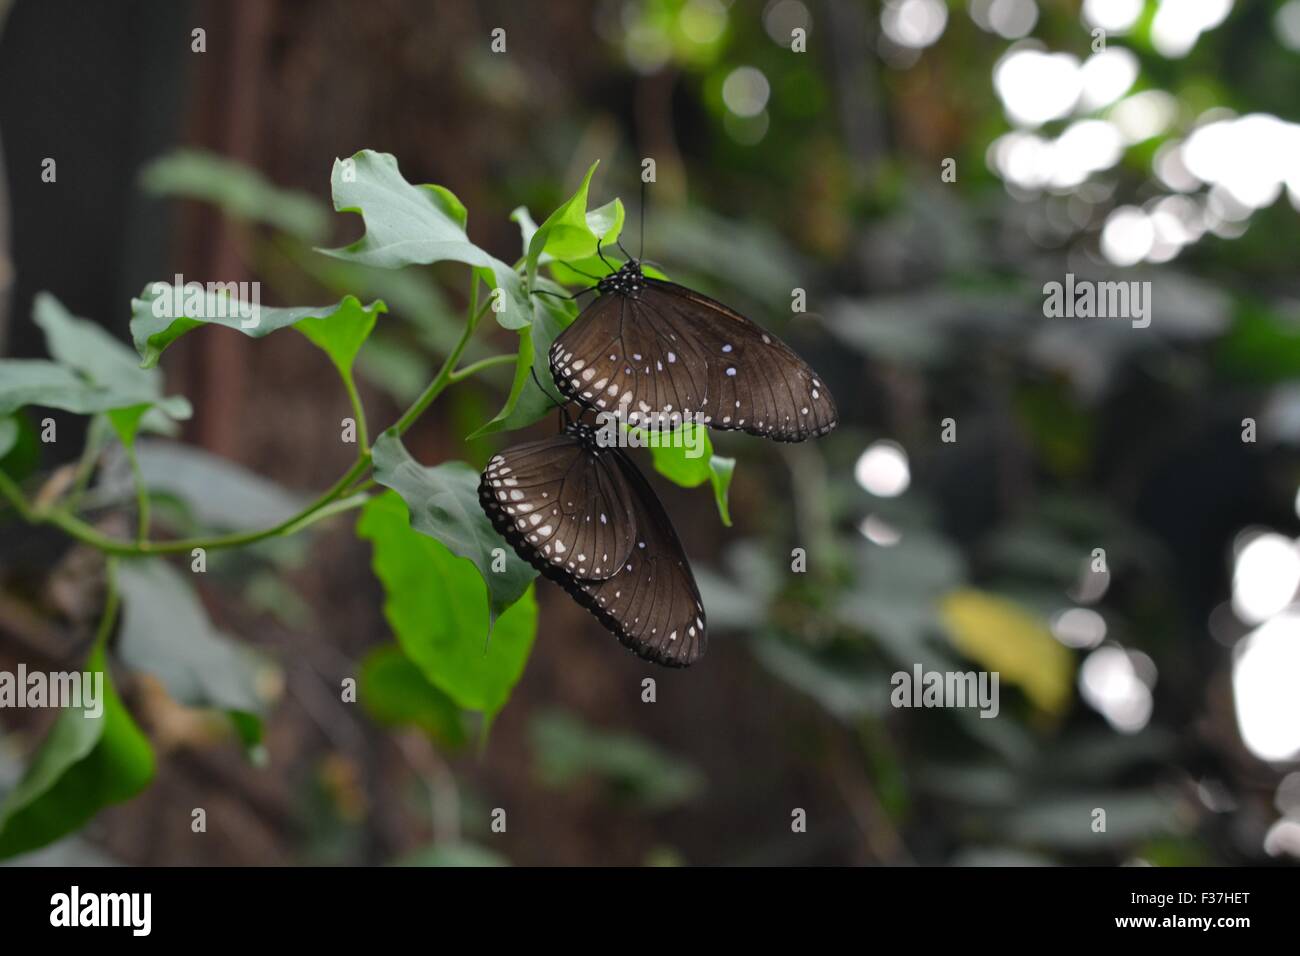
x: 481, y: 364
x: 358, y: 412
x: 87, y: 534
x: 89, y: 455
x: 10, y: 490
x: 141, y: 494
x: 444, y: 376
x: 110, y: 603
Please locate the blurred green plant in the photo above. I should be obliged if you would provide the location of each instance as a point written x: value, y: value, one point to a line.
x: 464, y: 631
x: 567, y: 751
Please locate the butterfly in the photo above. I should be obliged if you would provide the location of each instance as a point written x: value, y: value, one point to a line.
x: 585, y: 517
x: 660, y: 352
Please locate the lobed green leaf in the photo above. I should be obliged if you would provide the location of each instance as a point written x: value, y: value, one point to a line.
x: 672, y: 461
x: 83, y: 765
x: 443, y: 501
x: 238, y: 190
x: 166, y: 632
x: 395, y: 692
x: 217, y: 493
x: 437, y: 606
x: 416, y: 225
x: 164, y: 313
x: 571, y: 232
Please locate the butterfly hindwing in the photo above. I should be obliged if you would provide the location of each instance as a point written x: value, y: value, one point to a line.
x: 653, y: 606
x: 567, y: 501
x: 650, y: 602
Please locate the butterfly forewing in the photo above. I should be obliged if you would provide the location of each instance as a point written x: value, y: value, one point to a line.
x: 664, y: 350
x: 568, y: 501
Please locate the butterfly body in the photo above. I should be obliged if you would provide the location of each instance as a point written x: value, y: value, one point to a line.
x: 585, y: 517
x: 656, y: 352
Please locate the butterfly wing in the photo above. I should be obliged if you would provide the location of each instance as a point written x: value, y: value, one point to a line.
x: 672, y: 352
x: 567, y: 500
x: 652, y: 604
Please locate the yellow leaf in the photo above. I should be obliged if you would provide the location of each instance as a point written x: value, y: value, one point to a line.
x: 1003, y: 637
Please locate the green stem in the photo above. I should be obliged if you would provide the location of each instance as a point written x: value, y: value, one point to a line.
x: 87, y: 534
x: 481, y: 364
x: 444, y: 376
x: 141, y: 494
x: 358, y: 412
x: 10, y: 489
x: 95, y: 434
x: 110, y: 604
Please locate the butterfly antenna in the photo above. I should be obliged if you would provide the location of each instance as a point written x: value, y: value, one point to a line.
x: 642, y: 251
x: 558, y: 404
x: 561, y: 295
x: 619, y: 242
x: 579, y: 271
x: 602, y: 256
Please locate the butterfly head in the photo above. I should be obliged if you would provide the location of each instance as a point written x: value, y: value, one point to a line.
x: 628, y: 280
x: 582, y: 432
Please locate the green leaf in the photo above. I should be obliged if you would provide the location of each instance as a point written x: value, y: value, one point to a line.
x: 217, y: 492
x: 842, y: 687
x: 527, y: 226
x: 9, y: 432
x: 443, y: 502
x: 164, y: 313
x: 166, y: 632
x: 50, y: 385
x: 682, y: 456
x: 720, y: 471
x: 238, y: 190
x: 1263, y: 345
x: 571, y: 232
x: 1052, y: 820
x: 454, y: 854
x: 413, y: 296
x: 84, y: 764
x: 523, y: 375
x: 341, y: 335
x: 23, y: 452
x: 527, y: 402
x: 415, y: 225
x: 395, y: 693
x: 126, y: 422
x: 88, y: 349
x: 674, y: 458
x: 567, y: 750
x: 105, y: 362
x: 436, y: 605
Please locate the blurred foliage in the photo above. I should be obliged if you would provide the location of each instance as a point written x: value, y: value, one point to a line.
x: 631, y: 770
